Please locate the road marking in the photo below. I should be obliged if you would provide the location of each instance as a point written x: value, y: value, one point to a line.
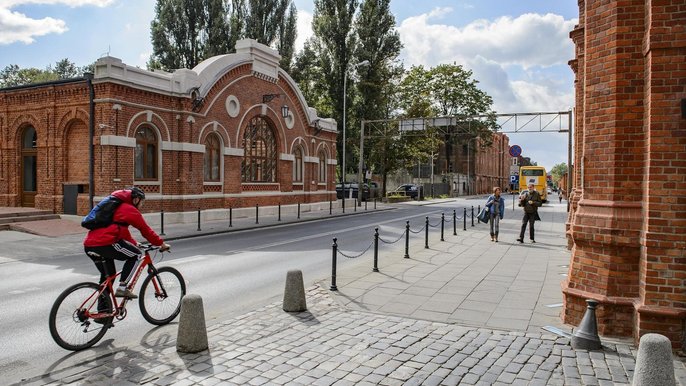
x: 317, y: 235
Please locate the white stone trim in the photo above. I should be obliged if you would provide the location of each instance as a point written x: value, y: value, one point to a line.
x: 183, y: 146
x: 331, y: 161
x: 234, y: 151
x: 287, y: 157
x: 313, y: 160
x: 117, y: 140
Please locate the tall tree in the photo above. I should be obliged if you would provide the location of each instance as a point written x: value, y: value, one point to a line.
x: 13, y: 75
x: 332, y: 24
x: 177, y: 33
x: 308, y: 73
x: 379, y: 44
x: 288, y: 32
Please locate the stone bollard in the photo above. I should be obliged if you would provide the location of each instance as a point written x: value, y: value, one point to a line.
x: 654, y: 363
x: 585, y: 336
x: 192, y: 334
x: 294, y: 294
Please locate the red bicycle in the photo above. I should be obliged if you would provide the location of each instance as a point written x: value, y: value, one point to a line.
x: 84, y: 312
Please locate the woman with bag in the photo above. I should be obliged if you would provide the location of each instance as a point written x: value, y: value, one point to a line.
x: 496, y: 209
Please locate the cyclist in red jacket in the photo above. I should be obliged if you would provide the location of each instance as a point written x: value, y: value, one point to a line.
x: 114, y: 242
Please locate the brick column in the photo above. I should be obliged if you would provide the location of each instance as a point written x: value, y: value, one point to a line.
x: 606, y: 225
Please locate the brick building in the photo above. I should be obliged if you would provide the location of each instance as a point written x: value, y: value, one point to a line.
x: 234, y: 131
x: 479, y: 168
x: 628, y: 213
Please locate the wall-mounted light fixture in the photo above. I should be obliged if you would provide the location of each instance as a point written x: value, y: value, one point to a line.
x: 266, y: 98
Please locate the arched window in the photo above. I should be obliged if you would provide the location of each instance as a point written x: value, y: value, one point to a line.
x: 146, y: 154
x: 212, y: 158
x: 322, y: 166
x: 298, y: 165
x: 259, y: 143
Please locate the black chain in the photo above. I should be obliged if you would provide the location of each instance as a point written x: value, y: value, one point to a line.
x: 434, y: 226
x: 355, y: 256
x: 392, y: 242
x: 411, y: 231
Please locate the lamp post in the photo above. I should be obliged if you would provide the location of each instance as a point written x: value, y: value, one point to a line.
x: 345, y: 87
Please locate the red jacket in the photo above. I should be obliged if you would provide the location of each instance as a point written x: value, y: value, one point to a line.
x: 127, y: 214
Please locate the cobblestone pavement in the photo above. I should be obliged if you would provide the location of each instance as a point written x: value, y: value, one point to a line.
x: 328, y: 345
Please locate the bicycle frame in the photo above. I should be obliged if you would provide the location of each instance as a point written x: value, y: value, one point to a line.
x: 119, y: 309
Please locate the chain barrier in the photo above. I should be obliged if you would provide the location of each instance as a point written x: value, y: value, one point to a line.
x: 437, y: 224
x: 419, y: 231
x: 355, y: 256
x: 392, y: 242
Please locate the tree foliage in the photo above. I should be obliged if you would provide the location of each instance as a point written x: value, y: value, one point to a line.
x: 558, y: 171
x: 13, y: 75
x: 186, y: 32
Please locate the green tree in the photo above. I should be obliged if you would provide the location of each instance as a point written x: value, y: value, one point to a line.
x: 177, y: 33
x: 558, y: 171
x: 379, y: 44
x: 308, y: 73
x: 13, y: 75
x: 288, y: 32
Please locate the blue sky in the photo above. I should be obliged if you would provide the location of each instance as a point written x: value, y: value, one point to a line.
x: 517, y: 49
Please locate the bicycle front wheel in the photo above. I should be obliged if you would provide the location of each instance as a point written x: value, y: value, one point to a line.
x: 161, y: 293
x: 70, y: 324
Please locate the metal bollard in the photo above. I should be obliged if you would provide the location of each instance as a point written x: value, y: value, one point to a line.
x: 279, y: 219
x: 442, y: 225
x: 334, y: 252
x: 365, y: 205
x: 472, y: 215
x: 454, y: 223
x: 426, y: 233
x: 162, y: 223
x: 257, y: 213
x: 355, y: 206
x: 376, y: 250
x: 298, y: 211
x: 330, y: 207
x: 585, y: 336
x: 464, y: 219
x: 198, y: 220
x: 230, y: 217
x: 374, y: 202
x: 407, y: 240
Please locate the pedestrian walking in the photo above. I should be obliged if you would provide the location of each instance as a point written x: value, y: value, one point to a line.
x: 496, y: 209
x: 530, y: 200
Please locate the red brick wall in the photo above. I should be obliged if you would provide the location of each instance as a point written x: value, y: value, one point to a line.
x: 59, y: 112
x: 627, y: 223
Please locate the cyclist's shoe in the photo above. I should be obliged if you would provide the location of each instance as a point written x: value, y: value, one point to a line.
x: 125, y: 293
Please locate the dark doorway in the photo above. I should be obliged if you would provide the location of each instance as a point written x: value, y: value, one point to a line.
x: 29, y: 169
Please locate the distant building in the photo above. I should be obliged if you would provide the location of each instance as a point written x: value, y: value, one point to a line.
x: 234, y: 131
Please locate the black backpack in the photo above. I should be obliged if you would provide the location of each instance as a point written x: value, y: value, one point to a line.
x: 101, y: 215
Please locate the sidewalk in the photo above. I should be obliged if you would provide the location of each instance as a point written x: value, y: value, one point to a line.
x: 463, y: 311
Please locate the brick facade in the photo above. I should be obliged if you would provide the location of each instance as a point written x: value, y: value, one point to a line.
x: 218, y: 98
x: 628, y: 215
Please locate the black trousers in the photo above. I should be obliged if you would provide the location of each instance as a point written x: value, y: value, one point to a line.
x: 104, y: 257
x: 529, y: 218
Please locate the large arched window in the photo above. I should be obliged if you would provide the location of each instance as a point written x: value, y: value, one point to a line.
x: 259, y: 143
x: 322, y: 166
x: 298, y: 165
x: 146, y: 154
x: 212, y: 160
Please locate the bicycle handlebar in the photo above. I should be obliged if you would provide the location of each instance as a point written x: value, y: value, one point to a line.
x: 146, y: 247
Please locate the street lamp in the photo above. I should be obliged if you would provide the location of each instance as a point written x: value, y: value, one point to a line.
x: 345, y: 86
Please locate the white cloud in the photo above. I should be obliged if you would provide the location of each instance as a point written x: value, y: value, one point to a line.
x: 304, y: 28
x: 17, y: 27
x: 528, y: 40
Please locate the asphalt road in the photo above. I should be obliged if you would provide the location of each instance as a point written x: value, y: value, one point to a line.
x: 234, y: 273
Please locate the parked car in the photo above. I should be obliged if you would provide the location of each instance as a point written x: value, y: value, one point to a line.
x: 340, y: 193
x: 415, y: 192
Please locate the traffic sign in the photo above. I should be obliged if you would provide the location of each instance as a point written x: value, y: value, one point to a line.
x: 515, y: 150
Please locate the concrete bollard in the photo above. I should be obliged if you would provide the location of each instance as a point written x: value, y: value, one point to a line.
x: 294, y: 294
x: 192, y: 334
x: 585, y: 336
x: 654, y: 363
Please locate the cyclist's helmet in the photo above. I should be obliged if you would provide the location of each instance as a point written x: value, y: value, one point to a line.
x: 137, y: 195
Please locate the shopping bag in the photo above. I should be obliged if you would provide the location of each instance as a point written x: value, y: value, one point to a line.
x: 483, y: 215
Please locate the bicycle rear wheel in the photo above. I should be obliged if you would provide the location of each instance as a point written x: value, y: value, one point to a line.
x: 161, y: 293
x: 70, y: 326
